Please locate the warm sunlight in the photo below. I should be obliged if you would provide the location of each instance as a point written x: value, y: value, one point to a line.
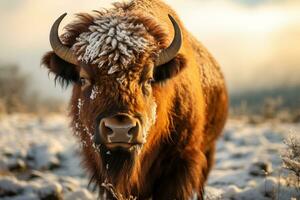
x: 150, y: 99
x: 248, y: 40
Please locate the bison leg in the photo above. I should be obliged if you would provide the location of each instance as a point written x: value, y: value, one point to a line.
x: 210, y: 157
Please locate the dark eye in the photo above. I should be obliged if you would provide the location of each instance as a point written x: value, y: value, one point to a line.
x: 149, y: 81
x: 84, y: 82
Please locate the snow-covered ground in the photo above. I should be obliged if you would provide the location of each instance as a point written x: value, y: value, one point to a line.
x: 39, y: 159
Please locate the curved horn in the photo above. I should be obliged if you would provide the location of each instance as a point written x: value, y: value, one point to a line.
x: 59, y: 49
x: 169, y: 53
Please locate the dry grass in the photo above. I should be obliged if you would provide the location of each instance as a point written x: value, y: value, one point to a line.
x: 291, y: 160
x: 15, y: 95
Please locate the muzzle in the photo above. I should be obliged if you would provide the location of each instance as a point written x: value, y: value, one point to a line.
x: 120, y: 131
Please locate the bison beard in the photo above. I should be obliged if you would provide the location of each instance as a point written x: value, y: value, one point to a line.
x: 137, y: 62
x: 117, y: 162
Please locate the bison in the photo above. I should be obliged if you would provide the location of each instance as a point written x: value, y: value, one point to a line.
x: 148, y: 100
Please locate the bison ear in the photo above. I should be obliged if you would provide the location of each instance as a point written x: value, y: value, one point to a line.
x: 65, y: 73
x: 170, y: 69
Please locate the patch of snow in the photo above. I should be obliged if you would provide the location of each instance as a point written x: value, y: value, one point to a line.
x: 31, y: 154
x: 43, y: 156
x: 35, y: 190
x: 31, y: 144
x: 260, y: 168
x: 248, y: 163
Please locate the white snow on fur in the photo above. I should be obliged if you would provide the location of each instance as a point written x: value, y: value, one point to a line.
x: 94, y: 93
x: 113, y: 40
x: 79, y: 105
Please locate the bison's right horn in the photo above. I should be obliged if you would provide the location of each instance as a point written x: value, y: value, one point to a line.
x: 170, y: 52
x: 59, y: 49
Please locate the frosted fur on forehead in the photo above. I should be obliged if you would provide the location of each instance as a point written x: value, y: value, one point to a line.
x: 113, y: 40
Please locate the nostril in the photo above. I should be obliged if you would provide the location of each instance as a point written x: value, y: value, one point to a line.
x: 134, y: 130
x: 107, y: 130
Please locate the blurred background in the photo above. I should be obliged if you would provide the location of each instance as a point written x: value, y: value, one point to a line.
x: 257, y: 43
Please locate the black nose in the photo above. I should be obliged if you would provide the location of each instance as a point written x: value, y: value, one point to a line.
x: 120, y: 130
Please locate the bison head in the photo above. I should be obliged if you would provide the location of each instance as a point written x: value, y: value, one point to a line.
x: 115, y: 62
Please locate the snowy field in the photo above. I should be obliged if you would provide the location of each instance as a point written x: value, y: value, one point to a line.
x: 39, y: 159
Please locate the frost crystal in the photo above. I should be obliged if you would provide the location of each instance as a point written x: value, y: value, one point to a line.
x: 113, y: 41
x: 122, y: 79
x: 291, y: 157
x: 86, y: 129
x: 94, y: 93
x: 76, y: 130
x: 79, y: 105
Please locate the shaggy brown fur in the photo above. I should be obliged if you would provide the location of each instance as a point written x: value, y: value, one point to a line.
x: 191, y: 110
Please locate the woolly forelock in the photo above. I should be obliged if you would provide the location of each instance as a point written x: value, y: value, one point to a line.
x: 114, y: 39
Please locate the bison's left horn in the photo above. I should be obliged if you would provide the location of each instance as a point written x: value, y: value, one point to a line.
x: 169, y: 53
x: 61, y: 50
